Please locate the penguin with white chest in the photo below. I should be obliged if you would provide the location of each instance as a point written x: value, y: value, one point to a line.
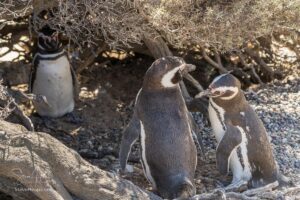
x: 243, y: 144
x: 161, y: 119
x: 52, y: 76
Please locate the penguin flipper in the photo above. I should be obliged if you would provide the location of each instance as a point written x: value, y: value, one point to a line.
x: 231, y: 139
x: 130, y: 135
x: 75, y: 82
x: 196, y: 135
x: 32, y: 77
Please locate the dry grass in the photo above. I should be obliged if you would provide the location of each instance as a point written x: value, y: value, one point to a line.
x: 224, y: 24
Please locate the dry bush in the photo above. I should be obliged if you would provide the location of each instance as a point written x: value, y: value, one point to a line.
x: 225, y: 24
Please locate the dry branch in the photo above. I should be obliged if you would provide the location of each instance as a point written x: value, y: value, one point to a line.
x: 8, y: 106
x: 194, y: 82
x: 90, y: 58
x: 157, y: 47
x: 266, y: 188
x: 243, y: 62
x: 216, y: 65
x: 265, y: 69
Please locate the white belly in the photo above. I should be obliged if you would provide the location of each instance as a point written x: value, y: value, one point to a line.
x: 215, y: 121
x: 146, y: 167
x: 239, y: 173
x: 54, y: 80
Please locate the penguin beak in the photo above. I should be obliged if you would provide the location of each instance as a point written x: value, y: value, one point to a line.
x: 186, y: 68
x: 203, y: 94
x: 210, y: 92
x: 206, y: 93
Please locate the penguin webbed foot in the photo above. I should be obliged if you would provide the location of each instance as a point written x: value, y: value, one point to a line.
x: 127, y: 170
x: 73, y: 118
x: 38, y: 99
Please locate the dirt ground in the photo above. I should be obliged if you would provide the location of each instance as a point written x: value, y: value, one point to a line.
x: 108, y: 91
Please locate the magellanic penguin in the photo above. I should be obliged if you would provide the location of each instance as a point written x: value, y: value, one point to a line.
x: 52, y: 76
x: 161, y: 119
x: 243, y: 144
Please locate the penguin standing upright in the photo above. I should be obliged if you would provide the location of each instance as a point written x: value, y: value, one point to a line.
x: 161, y: 119
x: 243, y: 144
x: 52, y: 76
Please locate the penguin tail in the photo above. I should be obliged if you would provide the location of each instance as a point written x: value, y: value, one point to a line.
x: 185, y: 190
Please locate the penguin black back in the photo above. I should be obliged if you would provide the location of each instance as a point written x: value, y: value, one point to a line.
x: 168, y: 150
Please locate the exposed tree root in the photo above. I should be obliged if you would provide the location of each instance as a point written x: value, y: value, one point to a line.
x: 243, y: 62
x: 265, y: 192
x: 218, y: 65
x: 265, y: 69
x: 50, y: 170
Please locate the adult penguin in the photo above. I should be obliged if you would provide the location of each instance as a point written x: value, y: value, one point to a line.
x: 243, y: 144
x: 165, y: 127
x: 52, y: 76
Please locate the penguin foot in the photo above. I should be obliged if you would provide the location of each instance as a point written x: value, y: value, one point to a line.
x: 129, y: 169
x: 238, y: 186
x: 185, y: 190
x: 73, y: 118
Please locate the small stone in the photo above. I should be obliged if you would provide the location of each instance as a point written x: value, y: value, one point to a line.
x: 129, y: 169
x: 83, y: 150
x: 284, y: 140
x: 297, y: 164
x: 111, y: 157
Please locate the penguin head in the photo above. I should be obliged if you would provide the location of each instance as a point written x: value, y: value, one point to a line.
x: 166, y: 72
x: 48, y: 40
x: 224, y: 87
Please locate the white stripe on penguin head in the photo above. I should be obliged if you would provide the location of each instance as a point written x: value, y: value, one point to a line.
x: 166, y: 80
x: 223, y: 89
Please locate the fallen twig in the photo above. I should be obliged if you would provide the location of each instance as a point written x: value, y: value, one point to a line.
x: 266, y: 188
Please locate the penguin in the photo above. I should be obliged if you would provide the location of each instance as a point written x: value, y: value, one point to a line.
x: 52, y: 76
x: 165, y: 128
x: 243, y: 144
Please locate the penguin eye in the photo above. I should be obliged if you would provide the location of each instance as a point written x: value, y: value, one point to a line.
x: 177, y: 77
x: 216, y: 93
